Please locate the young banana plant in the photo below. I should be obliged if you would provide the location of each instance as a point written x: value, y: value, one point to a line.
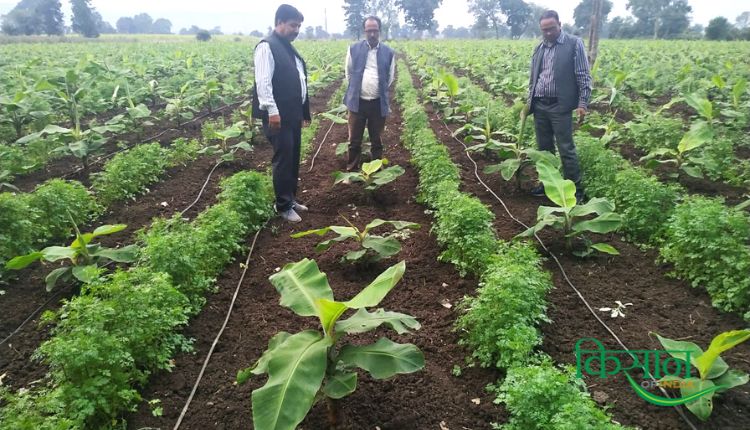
x: 313, y: 365
x: 714, y: 373
x: 570, y: 217
x: 372, y: 174
x: 370, y: 246
x: 86, y: 258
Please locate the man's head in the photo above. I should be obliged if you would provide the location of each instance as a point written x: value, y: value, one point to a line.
x: 372, y: 30
x: 288, y: 22
x: 549, y: 23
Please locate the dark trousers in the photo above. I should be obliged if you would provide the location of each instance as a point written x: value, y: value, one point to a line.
x: 557, y: 127
x: 286, y: 152
x: 369, y: 116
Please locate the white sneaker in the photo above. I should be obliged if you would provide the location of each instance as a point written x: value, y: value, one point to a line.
x: 299, y: 207
x: 290, y: 216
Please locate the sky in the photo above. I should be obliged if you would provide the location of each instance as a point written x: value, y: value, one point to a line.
x: 247, y: 15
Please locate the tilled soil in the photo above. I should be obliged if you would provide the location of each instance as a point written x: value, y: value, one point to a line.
x: 660, y: 304
x: 421, y: 400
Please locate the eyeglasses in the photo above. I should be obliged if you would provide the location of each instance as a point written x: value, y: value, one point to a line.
x: 372, y: 31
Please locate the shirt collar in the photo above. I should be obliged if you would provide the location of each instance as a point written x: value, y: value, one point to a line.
x: 559, y: 41
x: 370, y: 47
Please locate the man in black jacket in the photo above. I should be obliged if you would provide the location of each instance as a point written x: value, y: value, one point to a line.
x: 280, y: 100
x: 560, y: 82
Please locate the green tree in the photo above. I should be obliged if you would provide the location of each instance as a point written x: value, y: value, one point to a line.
x: 419, y: 13
x: 34, y: 17
x: 660, y: 18
x: 743, y: 20
x: 355, y: 11
x: 83, y: 19
x: 162, y: 26
x: 143, y: 23
x: 125, y: 25
x: 387, y: 12
x: 518, y: 15
x: 102, y: 26
x: 719, y: 28
x: 582, y: 14
x: 486, y: 13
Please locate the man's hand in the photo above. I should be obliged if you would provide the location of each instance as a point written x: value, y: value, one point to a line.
x: 274, y: 122
x: 581, y: 112
x: 306, y: 123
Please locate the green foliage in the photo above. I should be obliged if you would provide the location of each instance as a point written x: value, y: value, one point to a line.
x: 212, y: 238
x: 127, y: 174
x: 87, y: 259
x: 30, y: 219
x: 123, y: 327
x: 109, y: 339
x: 540, y: 396
x: 569, y: 216
x: 373, y: 174
x: 464, y: 229
x: 499, y: 324
x: 707, y: 243
x: 370, y: 247
x: 712, y: 369
x: 52, y: 201
x: 644, y: 203
x: 305, y: 365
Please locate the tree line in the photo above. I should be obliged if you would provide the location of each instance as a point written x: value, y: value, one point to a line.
x: 31, y: 17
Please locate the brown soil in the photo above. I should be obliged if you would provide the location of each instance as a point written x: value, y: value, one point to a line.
x: 418, y: 401
x: 660, y: 304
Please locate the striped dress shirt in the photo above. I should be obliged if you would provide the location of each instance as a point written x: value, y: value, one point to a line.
x: 264, y: 67
x: 545, y: 85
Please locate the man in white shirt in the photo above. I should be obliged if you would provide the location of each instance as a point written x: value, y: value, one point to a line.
x: 370, y: 70
x: 280, y: 100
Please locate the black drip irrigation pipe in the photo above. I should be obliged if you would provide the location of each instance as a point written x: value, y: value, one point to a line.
x: 560, y: 267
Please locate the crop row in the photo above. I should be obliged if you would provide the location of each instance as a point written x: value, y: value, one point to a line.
x: 500, y: 322
x: 109, y: 339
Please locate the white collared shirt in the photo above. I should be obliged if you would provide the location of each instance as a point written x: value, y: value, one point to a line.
x: 370, y: 79
x: 264, y: 67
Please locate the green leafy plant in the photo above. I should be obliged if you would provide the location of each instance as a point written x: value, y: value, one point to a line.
x: 86, y: 258
x: 569, y: 216
x: 311, y: 365
x: 713, y: 371
x: 5, y: 178
x: 226, y: 151
x: 372, y: 174
x: 685, y: 157
x: 543, y: 397
x: 371, y: 247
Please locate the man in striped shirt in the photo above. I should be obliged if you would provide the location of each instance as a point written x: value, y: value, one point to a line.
x: 560, y: 82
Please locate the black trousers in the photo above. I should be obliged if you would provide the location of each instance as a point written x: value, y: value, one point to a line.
x: 368, y: 116
x: 286, y: 152
x: 557, y: 127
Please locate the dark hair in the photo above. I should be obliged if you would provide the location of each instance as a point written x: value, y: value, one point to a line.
x: 550, y: 14
x: 372, y: 18
x: 287, y: 13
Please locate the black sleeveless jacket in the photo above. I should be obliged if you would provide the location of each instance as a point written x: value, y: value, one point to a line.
x: 287, y: 88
